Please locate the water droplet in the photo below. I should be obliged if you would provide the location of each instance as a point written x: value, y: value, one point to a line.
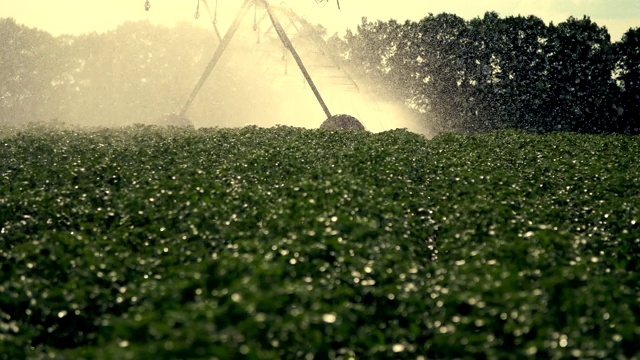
x: 576, y: 353
x: 563, y: 341
x: 397, y: 348
x: 329, y: 318
x: 532, y: 350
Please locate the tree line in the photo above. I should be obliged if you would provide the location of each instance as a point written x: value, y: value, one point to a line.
x: 136, y: 73
x: 466, y: 75
x: 513, y: 72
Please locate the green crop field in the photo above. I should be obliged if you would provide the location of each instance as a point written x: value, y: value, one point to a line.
x: 283, y: 243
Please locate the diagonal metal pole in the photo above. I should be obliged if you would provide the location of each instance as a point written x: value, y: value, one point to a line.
x: 287, y: 43
x: 216, y: 55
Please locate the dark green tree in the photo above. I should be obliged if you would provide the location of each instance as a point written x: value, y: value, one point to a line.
x: 628, y: 69
x: 446, y: 65
x: 31, y: 65
x: 581, y: 88
x: 493, y: 72
x: 511, y: 70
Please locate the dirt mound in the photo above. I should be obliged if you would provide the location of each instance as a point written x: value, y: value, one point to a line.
x: 342, y: 121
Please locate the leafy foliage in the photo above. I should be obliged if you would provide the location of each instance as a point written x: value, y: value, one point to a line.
x: 493, y: 73
x: 286, y: 243
x: 475, y: 75
x: 628, y: 54
x: 580, y: 97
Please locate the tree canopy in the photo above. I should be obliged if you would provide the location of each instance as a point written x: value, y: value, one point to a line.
x: 492, y: 72
x: 474, y: 75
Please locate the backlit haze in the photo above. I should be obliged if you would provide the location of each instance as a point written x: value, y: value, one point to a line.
x: 76, y: 17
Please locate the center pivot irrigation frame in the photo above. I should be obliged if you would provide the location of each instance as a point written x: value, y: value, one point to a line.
x: 224, y: 42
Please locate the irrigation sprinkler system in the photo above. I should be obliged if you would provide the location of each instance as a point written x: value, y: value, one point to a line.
x: 337, y: 121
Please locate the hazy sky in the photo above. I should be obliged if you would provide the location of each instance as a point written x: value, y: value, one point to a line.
x: 79, y: 16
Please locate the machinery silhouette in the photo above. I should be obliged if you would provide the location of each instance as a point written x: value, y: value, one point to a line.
x: 340, y: 121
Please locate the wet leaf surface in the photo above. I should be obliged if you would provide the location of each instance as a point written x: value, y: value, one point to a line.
x: 293, y: 243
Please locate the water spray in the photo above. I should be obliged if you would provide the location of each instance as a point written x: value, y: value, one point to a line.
x: 332, y: 121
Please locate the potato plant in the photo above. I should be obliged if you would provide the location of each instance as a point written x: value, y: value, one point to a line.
x: 280, y: 243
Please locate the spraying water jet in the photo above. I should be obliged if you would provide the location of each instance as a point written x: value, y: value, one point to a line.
x: 338, y: 121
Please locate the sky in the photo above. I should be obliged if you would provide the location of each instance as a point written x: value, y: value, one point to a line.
x: 82, y: 16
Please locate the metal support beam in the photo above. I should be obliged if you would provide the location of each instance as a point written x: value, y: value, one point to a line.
x: 216, y: 56
x: 227, y: 39
x: 287, y: 43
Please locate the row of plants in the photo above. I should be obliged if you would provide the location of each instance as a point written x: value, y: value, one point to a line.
x: 294, y: 243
